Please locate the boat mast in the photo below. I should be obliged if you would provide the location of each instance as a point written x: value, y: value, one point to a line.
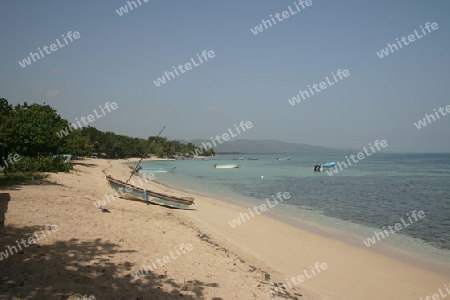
x: 145, y: 154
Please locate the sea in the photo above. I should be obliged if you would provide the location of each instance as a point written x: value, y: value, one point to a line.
x: 350, y: 205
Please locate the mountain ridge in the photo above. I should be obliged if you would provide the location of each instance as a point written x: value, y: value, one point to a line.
x: 265, y: 146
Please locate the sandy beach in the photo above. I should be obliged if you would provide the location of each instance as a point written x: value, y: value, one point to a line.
x: 190, y: 254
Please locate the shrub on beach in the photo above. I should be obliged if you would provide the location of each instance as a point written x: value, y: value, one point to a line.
x: 41, y: 164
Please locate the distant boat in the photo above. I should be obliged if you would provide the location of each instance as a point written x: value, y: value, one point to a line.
x: 328, y: 165
x: 322, y: 166
x: 156, y: 170
x: 131, y: 192
x: 253, y: 158
x: 240, y: 158
x: 283, y: 158
x: 216, y: 166
x: 67, y: 157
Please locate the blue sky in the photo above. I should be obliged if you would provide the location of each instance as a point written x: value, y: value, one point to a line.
x: 251, y: 76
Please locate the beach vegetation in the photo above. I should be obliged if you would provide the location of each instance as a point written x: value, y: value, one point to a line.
x: 40, y: 164
x: 19, y: 178
x: 31, y: 131
x: 161, y: 147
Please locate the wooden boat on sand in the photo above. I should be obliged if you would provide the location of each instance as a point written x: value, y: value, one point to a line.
x: 131, y: 192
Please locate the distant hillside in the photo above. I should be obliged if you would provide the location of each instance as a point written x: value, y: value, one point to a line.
x: 265, y: 147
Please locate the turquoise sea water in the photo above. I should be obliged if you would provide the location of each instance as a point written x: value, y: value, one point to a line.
x: 359, y: 200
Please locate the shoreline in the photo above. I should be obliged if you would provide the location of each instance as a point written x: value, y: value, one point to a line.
x: 379, y: 253
x: 417, y: 257
x: 97, y: 253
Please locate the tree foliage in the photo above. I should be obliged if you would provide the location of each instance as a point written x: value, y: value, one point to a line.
x: 30, y: 130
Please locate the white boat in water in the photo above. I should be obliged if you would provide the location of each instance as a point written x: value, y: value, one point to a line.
x: 232, y: 166
x: 283, y: 158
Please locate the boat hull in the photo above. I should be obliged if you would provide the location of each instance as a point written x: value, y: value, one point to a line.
x: 325, y: 166
x: 157, y: 170
x: 131, y: 192
x: 226, y: 166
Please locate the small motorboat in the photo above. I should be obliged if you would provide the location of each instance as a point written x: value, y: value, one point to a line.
x: 322, y: 166
x: 232, y: 166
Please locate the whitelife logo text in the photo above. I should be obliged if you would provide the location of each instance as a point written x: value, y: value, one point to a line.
x: 71, y: 36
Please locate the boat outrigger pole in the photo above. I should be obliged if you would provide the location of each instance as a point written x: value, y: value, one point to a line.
x: 145, y: 154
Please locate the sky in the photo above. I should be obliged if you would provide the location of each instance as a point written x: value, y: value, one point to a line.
x: 250, y: 78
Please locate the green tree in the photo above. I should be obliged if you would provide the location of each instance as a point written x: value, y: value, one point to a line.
x: 31, y: 129
x: 76, y: 144
x: 5, y: 107
x: 157, y: 145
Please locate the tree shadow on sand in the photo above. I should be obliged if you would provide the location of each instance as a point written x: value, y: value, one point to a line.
x: 4, y: 200
x: 17, y: 181
x: 68, y: 269
x: 78, y: 163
